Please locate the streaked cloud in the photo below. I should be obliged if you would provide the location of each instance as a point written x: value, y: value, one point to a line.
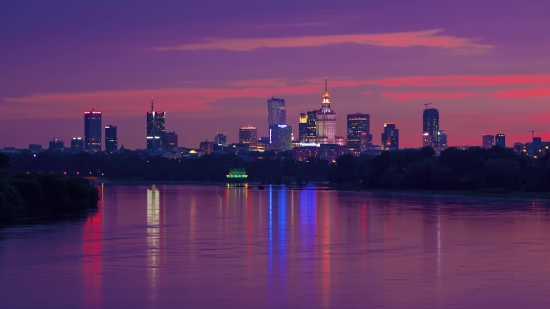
x: 446, y: 81
x: 428, y: 38
x: 523, y: 93
x: 427, y: 95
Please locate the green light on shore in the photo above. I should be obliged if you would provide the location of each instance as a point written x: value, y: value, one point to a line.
x: 237, y: 173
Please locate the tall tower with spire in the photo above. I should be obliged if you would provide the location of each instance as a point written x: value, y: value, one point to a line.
x: 156, y: 131
x: 326, y: 120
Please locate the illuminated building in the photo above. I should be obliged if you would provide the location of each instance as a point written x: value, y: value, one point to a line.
x: 171, y: 139
x: 248, y: 135
x: 357, y: 125
x: 442, y: 140
x: 311, y: 127
x: 488, y: 141
x: 500, y: 140
x: 280, y: 137
x: 325, y: 120
x: 155, y: 128
x: 364, y: 141
x: 339, y: 140
x: 236, y: 177
x: 111, y: 141
x: 206, y: 147
x: 302, y: 128
x: 390, y: 137
x: 304, y: 153
x: 92, y: 131
x: 276, y: 112
x: 220, y: 139
x: 430, y: 128
x: 56, y: 144
x: 77, y: 145
x: 329, y: 152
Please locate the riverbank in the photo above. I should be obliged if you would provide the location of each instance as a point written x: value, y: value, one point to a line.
x: 27, y: 198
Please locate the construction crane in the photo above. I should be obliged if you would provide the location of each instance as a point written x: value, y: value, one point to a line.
x: 426, y: 104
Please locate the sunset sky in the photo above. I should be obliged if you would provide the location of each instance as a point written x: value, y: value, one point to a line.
x: 212, y: 65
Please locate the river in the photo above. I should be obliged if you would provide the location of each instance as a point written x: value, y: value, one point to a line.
x: 182, y: 246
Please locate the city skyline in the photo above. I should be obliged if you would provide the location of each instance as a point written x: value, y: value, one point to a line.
x: 493, y: 78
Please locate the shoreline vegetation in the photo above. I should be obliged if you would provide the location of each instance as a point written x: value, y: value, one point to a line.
x: 475, y: 171
x: 28, y: 197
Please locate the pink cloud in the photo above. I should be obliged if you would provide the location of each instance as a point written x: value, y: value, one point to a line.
x: 262, y: 82
x: 124, y: 102
x: 523, y: 93
x: 428, y: 38
x: 448, y: 81
x: 426, y: 95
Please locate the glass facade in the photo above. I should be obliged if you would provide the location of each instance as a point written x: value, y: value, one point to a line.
x: 500, y: 140
x: 171, y: 139
x: 248, y: 135
x: 280, y: 137
x: 92, y: 131
x: 357, y: 124
x: 156, y: 130
x: 390, y: 137
x: 111, y: 141
x: 488, y: 141
x: 430, y: 128
x: 276, y: 111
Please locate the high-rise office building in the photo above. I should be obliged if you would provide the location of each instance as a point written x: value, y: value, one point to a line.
x: 111, y: 141
x: 430, y: 128
x: 206, y: 147
x: 77, y: 145
x: 390, y: 137
x: 442, y: 140
x: 220, y: 139
x: 56, y: 144
x: 92, y: 131
x: 357, y: 124
x: 280, y: 137
x: 364, y: 141
x: 171, y: 140
x: 248, y: 135
x: 488, y: 141
x: 311, y: 127
x: 302, y: 128
x: 156, y: 130
x: 500, y: 140
x: 276, y: 112
x: 325, y: 120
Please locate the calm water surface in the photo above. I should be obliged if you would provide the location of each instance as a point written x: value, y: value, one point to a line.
x: 212, y: 247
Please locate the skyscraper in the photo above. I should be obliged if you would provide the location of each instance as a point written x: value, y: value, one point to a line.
x: 501, y: 140
x: 248, y: 135
x: 488, y: 141
x: 311, y: 127
x: 357, y: 124
x: 325, y: 120
x: 302, y: 128
x: 430, y: 128
x: 280, y: 137
x: 155, y: 128
x: 276, y: 111
x: 171, y: 140
x: 390, y: 137
x: 92, y: 131
x: 111, y: 141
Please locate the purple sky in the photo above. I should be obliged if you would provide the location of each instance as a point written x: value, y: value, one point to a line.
x: 212, y: 65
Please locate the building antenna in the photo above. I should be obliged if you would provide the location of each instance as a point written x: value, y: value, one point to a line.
x: 326, y: 86
x: 426, y: 104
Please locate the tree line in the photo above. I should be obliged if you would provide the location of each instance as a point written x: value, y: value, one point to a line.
x: 42, y: 195
x: 474, y: 169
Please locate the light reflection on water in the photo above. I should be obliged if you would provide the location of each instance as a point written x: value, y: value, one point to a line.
x: 213, y: 247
